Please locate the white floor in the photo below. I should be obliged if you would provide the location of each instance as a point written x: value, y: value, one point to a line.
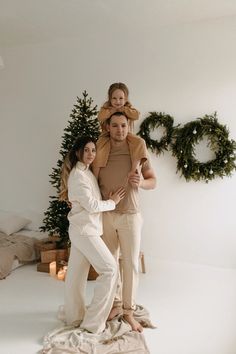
x: 193, y: 306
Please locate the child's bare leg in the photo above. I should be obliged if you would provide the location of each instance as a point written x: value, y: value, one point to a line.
x: 96, y: 171
x: 135, y: 165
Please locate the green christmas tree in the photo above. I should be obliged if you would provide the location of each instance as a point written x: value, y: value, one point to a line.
x: 83, y: 122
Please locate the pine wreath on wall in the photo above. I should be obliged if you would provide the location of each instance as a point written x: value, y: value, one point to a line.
x: 154, y: 121
x: 183, y: 148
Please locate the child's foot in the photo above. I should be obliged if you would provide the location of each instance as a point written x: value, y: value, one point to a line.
x: 136, y: 326
x: 114, y: 312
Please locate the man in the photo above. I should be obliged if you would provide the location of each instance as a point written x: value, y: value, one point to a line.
x: 122, y: 227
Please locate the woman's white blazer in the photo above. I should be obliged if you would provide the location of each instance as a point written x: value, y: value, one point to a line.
x: 86, y: 200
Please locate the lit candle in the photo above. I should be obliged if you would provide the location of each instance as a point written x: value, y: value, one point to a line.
x: 65, y: 270
x: 61, y: 274
x: 53, y: 269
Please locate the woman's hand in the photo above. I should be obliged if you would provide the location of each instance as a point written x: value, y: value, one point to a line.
x: 117, y: 195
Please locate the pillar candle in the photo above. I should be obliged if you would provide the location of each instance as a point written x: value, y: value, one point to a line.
x: 53, y: 269
x: 61, y: 274
x: 65, y: 271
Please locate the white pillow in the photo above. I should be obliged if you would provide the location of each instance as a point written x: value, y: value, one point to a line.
x: 36, y: 219
x: 11, y: 222
x: 31, y: 233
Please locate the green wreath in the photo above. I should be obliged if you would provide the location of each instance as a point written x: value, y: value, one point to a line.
x: 192, y: 133
x: 155, y: 120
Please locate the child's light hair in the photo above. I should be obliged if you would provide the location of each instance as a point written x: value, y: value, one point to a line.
x: 114, y: 87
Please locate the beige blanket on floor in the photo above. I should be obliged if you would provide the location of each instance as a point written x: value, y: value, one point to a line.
x: 14, y: 246
x: 118, y: 337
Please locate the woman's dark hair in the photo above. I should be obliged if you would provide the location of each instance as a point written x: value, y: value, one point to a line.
x: 77, y: 151
x: 74, y: 155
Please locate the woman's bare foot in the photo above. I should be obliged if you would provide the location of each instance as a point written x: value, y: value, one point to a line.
x: 114, y: 312
x: 136, y: 326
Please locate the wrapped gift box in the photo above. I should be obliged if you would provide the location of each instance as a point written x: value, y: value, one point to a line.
x: 45, y: 244
x: 54, y: 255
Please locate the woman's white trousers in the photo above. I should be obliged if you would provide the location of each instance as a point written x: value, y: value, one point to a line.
x: 86, y: 250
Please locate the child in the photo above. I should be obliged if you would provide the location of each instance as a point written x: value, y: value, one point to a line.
x: 118, y: 102
x: 80, y: 187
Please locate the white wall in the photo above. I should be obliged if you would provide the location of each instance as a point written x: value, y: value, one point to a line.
x: 185, y: 70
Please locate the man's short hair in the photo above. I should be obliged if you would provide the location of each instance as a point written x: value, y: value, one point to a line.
x: 118, y: 114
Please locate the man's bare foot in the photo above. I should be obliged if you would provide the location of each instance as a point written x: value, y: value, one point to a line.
x: 136, y: 326
x: 114, y: 312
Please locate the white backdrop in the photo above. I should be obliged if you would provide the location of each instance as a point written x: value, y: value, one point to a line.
x: 186, y: 70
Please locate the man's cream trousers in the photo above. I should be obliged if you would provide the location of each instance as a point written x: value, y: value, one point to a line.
x: 122, y: 232
x: 86, y: 250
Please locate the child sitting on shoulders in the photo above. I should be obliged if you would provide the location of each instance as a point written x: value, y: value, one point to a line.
x: 118, y: 102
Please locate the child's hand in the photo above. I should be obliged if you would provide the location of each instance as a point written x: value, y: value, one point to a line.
x: 116, y: 109
x: 112, y: 110
x: 120, y: 109
x: 118, y: 195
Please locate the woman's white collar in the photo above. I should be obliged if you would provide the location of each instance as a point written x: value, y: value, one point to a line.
x: 82, y: 166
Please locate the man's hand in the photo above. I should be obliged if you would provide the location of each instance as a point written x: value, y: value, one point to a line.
x: 134, y: 179
x: 147, y: 181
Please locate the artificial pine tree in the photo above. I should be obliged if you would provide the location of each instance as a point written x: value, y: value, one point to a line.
x: 83, y: 122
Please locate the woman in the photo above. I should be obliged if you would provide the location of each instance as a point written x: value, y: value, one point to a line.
x: 79, y: 186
